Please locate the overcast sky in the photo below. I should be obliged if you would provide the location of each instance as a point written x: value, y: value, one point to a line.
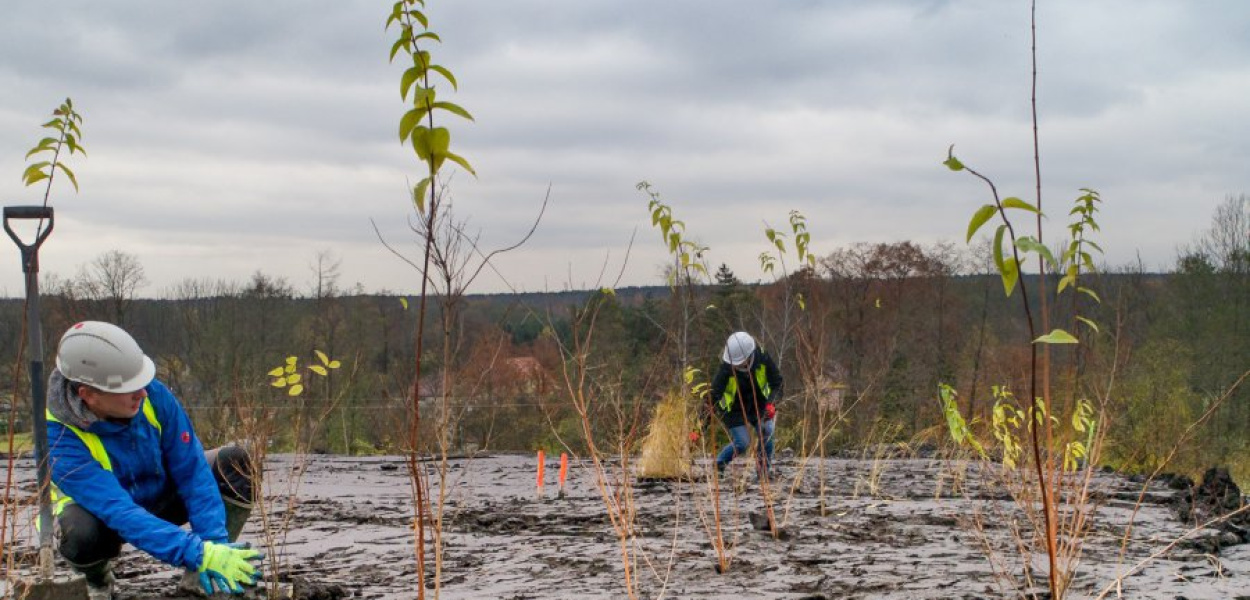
x: 230, y: 136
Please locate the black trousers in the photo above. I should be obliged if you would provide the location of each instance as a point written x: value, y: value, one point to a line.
x: 84, y: 539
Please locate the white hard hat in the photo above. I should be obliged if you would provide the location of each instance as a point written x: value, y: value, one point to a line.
x: 105, y: 357
x: 738, y: 348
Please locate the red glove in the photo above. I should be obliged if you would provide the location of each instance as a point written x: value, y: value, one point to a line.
x: 770, y: 411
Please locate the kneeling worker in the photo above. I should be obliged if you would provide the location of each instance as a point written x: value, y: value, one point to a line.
x: 127, y: 468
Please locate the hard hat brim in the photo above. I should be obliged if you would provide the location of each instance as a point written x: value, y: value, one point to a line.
x: 136, y: 383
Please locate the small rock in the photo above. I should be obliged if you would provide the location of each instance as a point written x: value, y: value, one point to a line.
x: 759, y: 521
x: 1177, y: 482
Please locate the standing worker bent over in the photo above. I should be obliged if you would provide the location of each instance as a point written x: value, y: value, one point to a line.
x: 744, y: 392
x: 127, y: 468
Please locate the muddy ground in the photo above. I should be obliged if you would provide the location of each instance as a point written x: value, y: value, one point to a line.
x: 890, y: 529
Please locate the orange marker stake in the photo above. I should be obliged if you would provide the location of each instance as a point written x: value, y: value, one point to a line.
x: 564, y: 470
x: 541, y: 464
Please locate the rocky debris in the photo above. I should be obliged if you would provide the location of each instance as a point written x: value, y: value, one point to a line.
x: 1218, y: 495
x: 760, y: 522
x: 312, y: 590
x: 1174, y: 481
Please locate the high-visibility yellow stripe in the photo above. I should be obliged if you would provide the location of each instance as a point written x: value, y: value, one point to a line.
x: 731, y: 388
x: 96, y: 447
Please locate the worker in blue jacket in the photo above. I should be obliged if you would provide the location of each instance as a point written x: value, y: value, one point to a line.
x: 127, y: 468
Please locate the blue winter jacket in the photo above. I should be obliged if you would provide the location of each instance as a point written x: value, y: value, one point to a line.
x: 147, y: 465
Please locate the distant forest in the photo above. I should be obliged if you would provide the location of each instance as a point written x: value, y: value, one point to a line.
x: 894, y: 322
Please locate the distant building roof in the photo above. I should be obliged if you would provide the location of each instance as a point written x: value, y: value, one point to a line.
x: 526, y: 365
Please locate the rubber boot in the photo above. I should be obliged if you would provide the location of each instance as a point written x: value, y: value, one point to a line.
x: 237, y: 514
x: 99, y: 578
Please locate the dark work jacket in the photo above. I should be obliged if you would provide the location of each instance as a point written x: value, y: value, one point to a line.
x: 748, y: 407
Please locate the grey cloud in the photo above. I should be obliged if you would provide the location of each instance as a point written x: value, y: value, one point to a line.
x: 268, y: 128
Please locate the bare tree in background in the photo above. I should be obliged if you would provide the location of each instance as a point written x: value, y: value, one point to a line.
x: 1227, y: 242
x: 325, y: 291
x: 112, y: 280
x: 325, y: 268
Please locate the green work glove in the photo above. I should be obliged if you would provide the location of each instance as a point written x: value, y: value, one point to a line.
x: 228, y: 567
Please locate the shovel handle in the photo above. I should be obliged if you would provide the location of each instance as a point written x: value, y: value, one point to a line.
x: 30, y: 266
x: 28, y: 212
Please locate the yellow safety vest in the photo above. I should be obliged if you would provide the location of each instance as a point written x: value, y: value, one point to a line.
x: 731, y: 388
x: 96, y: 447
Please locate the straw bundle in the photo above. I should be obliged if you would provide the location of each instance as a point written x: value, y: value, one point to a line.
x: 666, y: 447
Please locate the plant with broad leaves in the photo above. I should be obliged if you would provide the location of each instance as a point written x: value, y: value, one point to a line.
x: 699, y: 385
x: 689, y: 268
x: 66, y: 123
x: 689, y: 255
x: 1049, y: 454
x: 1009, y: 266
x: 1062, y: 531
x: 432, y: 144
x: 1007, y: 419
x: 288, y: 377
x: 1076, y: 257
x: 955, y: 422
x: 1083, y: 421
x: 802, y: 243
x: 1006, y: 422
x: 802, y: 247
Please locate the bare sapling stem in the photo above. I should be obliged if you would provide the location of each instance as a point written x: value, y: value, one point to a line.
x: 9, y: 505
x: 1048, y: 496
x: 616, y: 497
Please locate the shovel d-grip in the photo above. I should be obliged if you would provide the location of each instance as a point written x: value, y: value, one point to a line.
x: 30, y: 252
x: 38, y: 400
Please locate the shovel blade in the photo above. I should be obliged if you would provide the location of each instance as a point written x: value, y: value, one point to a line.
x: 56, y: 588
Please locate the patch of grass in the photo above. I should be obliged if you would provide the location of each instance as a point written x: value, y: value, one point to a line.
x: 1240, y: 470
x: 22, y: 442
x: 665, y: 450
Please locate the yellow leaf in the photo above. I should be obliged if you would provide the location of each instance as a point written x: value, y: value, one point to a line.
x: 295, y: 390
x: 318, y: 369
x: 290, y: 360
x: 294, y: 378
x: 278, y: 383
x: 334, y: 364
x: 290, y: 368
x: 404, y: 301
x: 322, y: 356
x: 277, y: 372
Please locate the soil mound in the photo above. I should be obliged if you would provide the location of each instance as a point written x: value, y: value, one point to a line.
x: 1216, y: 496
